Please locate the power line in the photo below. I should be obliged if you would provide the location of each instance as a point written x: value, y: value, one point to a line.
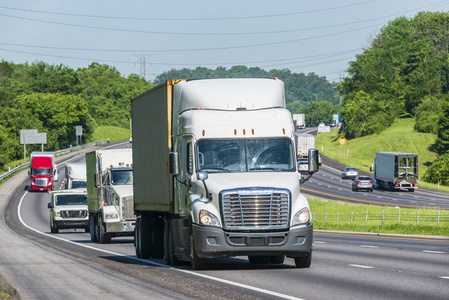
x: 219, y: 33
x: 133, y: 18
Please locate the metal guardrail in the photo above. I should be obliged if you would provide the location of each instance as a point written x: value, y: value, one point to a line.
x: 60, y: 152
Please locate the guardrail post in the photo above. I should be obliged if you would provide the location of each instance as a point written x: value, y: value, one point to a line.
x: 338, y: 215
x: 438, y: 220
x: 383, y: 215
x: 352, y: 216
x: 417, y: 217
x: 399, y: 217
x: 325, y: 218
x: 366, y: 219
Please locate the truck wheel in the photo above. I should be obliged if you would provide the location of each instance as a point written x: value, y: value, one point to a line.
x: 277, y: 259
x: 137, y: 238
x: 198, y: 263
x: 304, y: 261
x: 157, y: 249
x: 92, y: 228
x: 53, y: 229
x: 145, y: 238
x: 103, y: 237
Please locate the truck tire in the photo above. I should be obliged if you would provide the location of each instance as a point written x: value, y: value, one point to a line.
x: 169, y: 250
x: 198, y: 263
x: 53, y: 229
x: 145, y: 238
x: 92, y: 228
x: 304, y: 261
x: 103, y: 237
x: 157, y: 249
x: 137, y: 238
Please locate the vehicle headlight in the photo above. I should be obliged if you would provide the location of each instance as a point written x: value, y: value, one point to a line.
x: 111, y: 216
x: 302, y: 217
x: 209, y: 219
x: 57, y: 214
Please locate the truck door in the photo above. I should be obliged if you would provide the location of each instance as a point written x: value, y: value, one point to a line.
x: 185, y: 147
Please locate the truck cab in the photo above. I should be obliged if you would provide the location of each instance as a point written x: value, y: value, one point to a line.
x: 68, y: 210
x: 43, y: 172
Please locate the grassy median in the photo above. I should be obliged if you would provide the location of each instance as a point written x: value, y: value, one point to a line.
x: 333, y: 215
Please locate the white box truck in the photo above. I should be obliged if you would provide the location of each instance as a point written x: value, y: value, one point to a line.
x: 110, y: 194
x: 215, y: 173
x: 75, y: 176
x: 396, y: 170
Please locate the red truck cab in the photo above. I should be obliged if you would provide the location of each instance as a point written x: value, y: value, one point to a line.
x: 43, y: 172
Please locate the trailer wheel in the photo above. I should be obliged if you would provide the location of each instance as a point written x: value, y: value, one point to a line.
x: 198, y: 263
x: 92, y: 228
x: 304, y: 261
x: 157, y: 249
x: 103, y: 237
x: 137, y: 238
x: 145, y: 238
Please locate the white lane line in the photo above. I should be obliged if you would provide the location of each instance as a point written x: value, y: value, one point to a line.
x: 248, y: 287
x: 319, y: 242
x: 362, y: 266
x: 431, y: 251
x: 368, y: 246
x: 444, y: 277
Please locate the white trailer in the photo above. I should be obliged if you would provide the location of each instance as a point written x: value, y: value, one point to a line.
x: 75, y: 176
x: 304, y: 142
x: 396, y: 170
x: 110, y: 194
x: 300, y: 120
x: 215, y: 173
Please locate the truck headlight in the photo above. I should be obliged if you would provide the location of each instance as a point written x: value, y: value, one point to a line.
x: 209, y: 219
x: 57, y: 214
x: 111, y: 216
x: 301, y: 217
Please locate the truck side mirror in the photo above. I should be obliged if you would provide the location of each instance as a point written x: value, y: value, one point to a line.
x: 370, y: 169
x: 173, y: 164
x: 313, y: 161
x: 97, y: 180
x: 50, y: 205
x: 203, y: 176
x: 55, y: 176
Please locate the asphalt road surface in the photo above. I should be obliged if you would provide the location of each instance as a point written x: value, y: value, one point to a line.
x: 40, y: 265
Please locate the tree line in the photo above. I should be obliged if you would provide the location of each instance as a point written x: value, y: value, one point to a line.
x: 405, y: 74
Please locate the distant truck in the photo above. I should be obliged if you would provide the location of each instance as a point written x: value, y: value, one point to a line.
x: 396, y: 170
x: 215, y: 173
x: 68, y: 210
x: 304, y: 142
x: 299, y: 120
x: 43, y: 172
x: 110, y: 194
x: 75, y: 176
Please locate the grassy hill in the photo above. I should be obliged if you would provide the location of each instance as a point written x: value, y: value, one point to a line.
x: 115, y: 134
x: 361, y: 152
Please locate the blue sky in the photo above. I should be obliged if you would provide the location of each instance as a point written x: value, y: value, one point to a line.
x: 305, y: 36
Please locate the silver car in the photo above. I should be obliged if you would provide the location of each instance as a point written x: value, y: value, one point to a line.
x: 362, y: 183
x: 349, y: 172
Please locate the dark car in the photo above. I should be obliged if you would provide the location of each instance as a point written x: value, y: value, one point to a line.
x: 362, y: 183
x: 349, y: 172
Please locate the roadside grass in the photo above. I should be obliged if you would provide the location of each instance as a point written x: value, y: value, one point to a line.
x: 361, y: 152
x: 114, y: 134
x: 333, y: 215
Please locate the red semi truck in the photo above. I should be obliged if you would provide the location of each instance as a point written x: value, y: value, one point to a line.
x: 43, y: 172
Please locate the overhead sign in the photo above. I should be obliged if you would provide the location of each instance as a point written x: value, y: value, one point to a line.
x: 342, y: 140
x: 324, y: 128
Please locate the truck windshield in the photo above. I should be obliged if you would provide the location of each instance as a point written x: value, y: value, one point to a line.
x: 71, y: 199
x: 79, y: 184
x: 41, y: 172
x: 124, y: 177
x: 245, y: 155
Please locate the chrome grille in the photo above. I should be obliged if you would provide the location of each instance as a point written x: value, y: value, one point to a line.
x: 128, y: 209
x: 255, y: 208
x: 41, y: 181
x: 73, y: 214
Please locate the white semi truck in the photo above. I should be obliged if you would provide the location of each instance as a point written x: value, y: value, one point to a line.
x: 304, y: 142
x: 396, y: 170
x: 110, y: 194
x: 75, y: 176
x: 215, y: 173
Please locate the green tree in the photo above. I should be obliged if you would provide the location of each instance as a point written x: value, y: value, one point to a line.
x: 438, y: 171
x: 442, y: 141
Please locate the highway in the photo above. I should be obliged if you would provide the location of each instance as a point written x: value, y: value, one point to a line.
x: 40, y: 265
